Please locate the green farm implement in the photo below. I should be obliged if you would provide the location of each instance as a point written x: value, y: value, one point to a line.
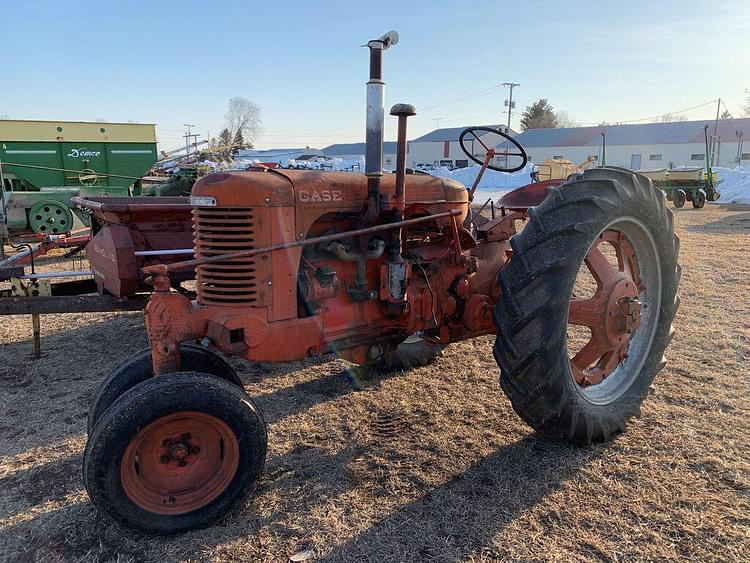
x: 43, y: 164
x: 696, y: 184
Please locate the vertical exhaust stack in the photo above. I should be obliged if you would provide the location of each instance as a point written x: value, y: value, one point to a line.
x: 374, y: 123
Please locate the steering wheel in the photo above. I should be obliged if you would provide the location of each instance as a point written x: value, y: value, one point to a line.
x: 471, y: 134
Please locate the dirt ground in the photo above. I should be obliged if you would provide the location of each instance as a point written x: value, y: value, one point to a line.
x: 429, y: 465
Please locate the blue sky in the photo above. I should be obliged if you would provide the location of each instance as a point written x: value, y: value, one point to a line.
x: 172, y: 63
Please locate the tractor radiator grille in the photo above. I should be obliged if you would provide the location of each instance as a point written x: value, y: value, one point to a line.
x: 222, y: 231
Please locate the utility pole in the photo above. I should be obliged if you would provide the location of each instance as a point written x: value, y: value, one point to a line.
x: 437, y: 122
x: 511, y: 106
x: 187, y: 136
x: 714, y: 138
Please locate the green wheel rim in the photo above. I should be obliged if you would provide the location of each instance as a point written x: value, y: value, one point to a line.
x: 50, y: 218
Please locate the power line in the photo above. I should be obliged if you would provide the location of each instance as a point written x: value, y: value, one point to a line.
x: 461, y: 99
x: 358, y: 124
x: 655, y: 116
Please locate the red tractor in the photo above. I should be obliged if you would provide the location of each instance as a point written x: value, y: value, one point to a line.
x: 382, y: 269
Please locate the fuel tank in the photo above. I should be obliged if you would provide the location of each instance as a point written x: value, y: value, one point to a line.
x: 313, y: 193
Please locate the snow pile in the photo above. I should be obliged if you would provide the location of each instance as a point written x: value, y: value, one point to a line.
x: 245, y: 163
x: 734, y: 184
x: 314, y: 163
x: 214, y: 166
x: 493, y: 184
x: 323, y: 163
x: 167, y: 166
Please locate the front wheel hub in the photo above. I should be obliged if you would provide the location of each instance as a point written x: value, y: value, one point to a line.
x: 179, y: 463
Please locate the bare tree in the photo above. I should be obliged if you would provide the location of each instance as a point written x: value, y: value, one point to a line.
x: 746, y: 105
x: 725, y: 114
x: 564, y: 120
x: 670, y: 117
x: 243, y: 117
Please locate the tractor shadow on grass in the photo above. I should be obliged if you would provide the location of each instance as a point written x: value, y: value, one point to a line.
x: 304, y: 395
x: 459, y: 519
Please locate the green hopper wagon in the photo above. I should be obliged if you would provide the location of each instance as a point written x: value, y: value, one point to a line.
x: 46, y: 163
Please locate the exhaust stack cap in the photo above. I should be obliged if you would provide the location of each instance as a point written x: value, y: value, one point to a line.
x: 385, y: 41
x: 406, y: 110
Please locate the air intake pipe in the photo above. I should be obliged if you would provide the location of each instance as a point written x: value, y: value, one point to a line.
x: 374, y: 123
x: 403, y: 112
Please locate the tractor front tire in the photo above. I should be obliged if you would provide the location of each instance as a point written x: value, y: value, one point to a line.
x: 174, y: 453
x: 138, y: 368
x: 587, y: 400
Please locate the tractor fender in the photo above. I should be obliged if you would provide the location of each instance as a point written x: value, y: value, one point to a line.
x: 529, y: 195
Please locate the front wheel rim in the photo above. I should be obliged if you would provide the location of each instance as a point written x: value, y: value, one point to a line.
x: 179, y: 463
x: 622, y: 314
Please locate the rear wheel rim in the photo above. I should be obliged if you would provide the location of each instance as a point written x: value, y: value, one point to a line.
x: 179, y: 463
x: 622, y: 313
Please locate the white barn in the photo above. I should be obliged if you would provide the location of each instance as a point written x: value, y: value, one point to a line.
x: 440, y: 148
x: 648, y: 146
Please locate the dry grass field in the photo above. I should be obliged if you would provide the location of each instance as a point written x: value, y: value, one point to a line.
x: 429, y: 465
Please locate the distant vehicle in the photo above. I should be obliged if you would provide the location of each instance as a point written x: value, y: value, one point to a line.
x: 426, y: 167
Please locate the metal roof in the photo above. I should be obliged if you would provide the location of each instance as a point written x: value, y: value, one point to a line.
x: 343, y: 149
x: 676, y: 132
x: 452, y: 133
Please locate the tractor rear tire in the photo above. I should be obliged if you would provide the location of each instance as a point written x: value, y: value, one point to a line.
x: 412, y: 353
x: 679, y: 197
x: 699, y: 199
x: 138, y: 368
x: 175, y: 453
x: 537, y: 286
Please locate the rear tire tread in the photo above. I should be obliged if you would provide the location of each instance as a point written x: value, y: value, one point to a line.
x: 534, y: 300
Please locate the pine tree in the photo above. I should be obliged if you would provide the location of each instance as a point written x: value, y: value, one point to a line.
x: 539, y: 115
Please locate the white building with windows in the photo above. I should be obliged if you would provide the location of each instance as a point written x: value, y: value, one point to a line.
x: 648, y: 146
x: 441, y: 148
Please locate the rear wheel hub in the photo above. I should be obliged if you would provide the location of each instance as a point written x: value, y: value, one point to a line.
x: 612, y: 313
